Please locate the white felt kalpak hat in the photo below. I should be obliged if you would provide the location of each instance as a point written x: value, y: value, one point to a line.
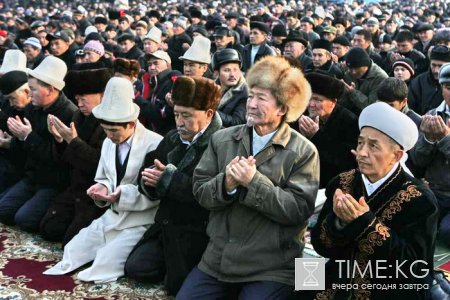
x: 52, y: 71
x: 391, y: 122
x: 154, y: 34
x: 200, y: 51
x: 117, y: 104
x: 14, y: 60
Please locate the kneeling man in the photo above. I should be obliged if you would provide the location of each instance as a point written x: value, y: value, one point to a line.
x: 378, y: 224
x: 259, y: 182
x: 175, y: 243
x: 109, y: 239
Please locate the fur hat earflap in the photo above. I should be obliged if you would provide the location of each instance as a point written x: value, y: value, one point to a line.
x: 197, y: 92
x: 286, y: 83
x: 87, y: 81
x: 325, y: 85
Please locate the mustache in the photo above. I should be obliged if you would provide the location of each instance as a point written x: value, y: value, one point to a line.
x: 183, y: 130
x: 358, y: 157
x: 250, y: 117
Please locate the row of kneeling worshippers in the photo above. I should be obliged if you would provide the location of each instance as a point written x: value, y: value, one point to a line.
x: 221, y: 210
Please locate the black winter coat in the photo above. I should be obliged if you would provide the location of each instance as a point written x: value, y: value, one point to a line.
x: 399, y: 229
x: 334, y: 140
x: 180, y: 219
x: 175, y: 49
x: 263, y: 50
x: 133, y: 53
x: 69, y: 58
x: 41, y: 167
x: 425, y: 93
x: 232, y: 107
x: 82, y: 155
x: 156, y: 112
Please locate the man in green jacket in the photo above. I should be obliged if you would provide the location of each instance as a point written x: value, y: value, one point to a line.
x: 361, y: 81
x: 259, y: 181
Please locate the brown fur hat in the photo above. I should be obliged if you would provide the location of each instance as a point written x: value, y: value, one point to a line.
x: 197, y: 92
x: 129, y: 67
x: 286, y: 83
x: 87, y: 81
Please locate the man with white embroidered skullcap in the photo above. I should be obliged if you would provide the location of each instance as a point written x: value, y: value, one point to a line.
x: 378, y: 212
x: 109, y: 239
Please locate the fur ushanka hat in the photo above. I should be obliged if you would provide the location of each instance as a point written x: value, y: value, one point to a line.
x: 287, y: 84
x: 197, y: 92
x: 87, y: 81
x: 325, y: 85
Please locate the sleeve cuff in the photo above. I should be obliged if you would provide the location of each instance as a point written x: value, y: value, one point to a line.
x: 166, y: 178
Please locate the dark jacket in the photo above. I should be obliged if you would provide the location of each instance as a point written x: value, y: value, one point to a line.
x: 263, y: 50
x: 41, y: 167
x: 133, y: 53
x: 69, y: 58
x: 82, y: 155
x: 399, y: 228
x: 425, y: 93
x: 156, y: 111
x: 180, y: 219
x: 421, y: 63
x: 236, y: 46
x: 175, y: 49
x: 332, y: 69
x: 334, y: 140
x: 83, y: 24
x: 415, y: 117
x: 375, y: 57
x: 11, y: 162
x: 38, y: 59
x: 306, y: 62
x: 365, y: 92
x: 232, y: 106
x: 435, y: 158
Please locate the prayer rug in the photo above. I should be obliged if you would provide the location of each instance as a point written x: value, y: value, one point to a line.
x: 23, y: 258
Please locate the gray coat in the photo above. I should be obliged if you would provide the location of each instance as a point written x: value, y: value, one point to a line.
x: 435, y: 157
x: 365, y: 92
x: 254, y: 233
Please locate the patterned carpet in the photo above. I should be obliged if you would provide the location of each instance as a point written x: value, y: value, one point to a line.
x: 23, y: 258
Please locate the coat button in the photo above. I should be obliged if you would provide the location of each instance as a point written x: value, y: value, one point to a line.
x: 54, y: 212
x: 231, y: 240
x: 165, y: 221
x: 77, y: 199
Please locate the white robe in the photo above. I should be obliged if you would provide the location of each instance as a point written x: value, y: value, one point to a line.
x: 109, y: 239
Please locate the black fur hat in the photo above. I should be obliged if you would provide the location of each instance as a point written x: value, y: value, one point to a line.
x: 87, y: 81
x: 325, y: 85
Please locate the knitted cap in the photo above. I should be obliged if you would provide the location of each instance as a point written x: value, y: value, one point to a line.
x: 357, y: 57
x: 406, y: 63
x: 95, y: 46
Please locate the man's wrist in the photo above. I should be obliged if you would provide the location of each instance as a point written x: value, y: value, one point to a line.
x: 23, y: 139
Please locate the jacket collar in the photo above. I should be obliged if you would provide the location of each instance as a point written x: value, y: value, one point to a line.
x: 60, y: 101
x: 441, y: 107
x: 216, y: 124
x: 203, y: 140
x: 281, y: 138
